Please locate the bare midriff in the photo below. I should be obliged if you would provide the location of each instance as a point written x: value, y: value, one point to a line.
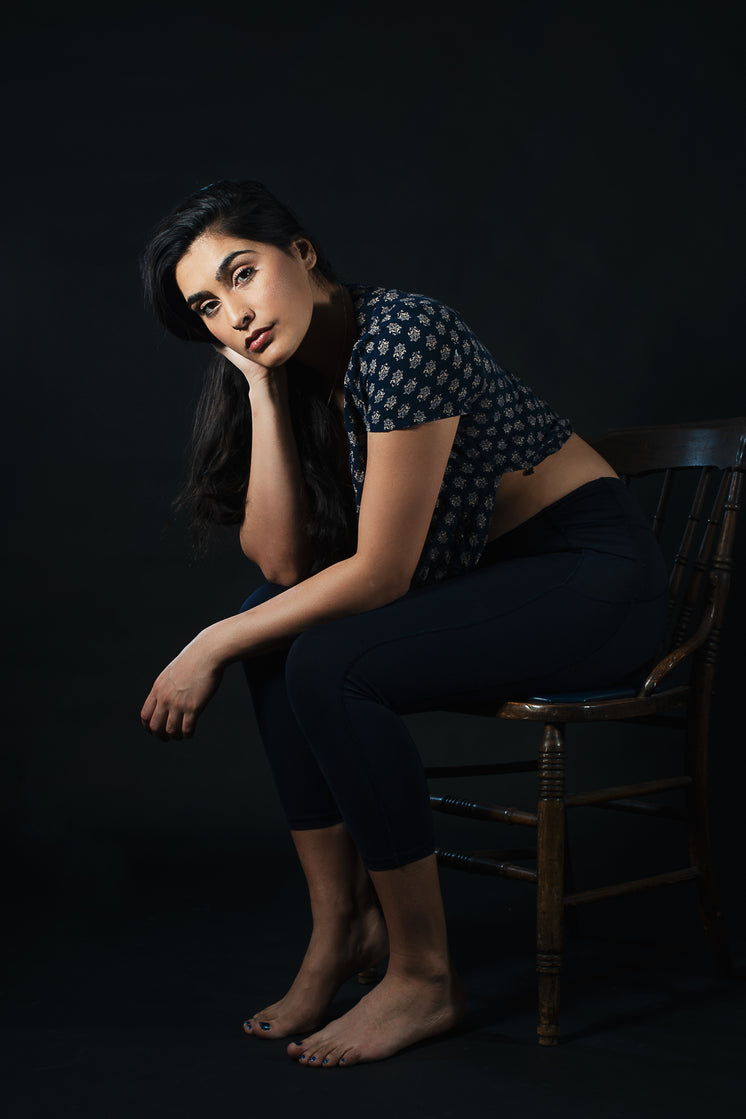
x: 520, y: 495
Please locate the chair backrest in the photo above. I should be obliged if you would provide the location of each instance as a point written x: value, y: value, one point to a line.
x: 708, y: 460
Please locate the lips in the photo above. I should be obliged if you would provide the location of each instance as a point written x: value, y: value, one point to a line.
x: 257, y: 340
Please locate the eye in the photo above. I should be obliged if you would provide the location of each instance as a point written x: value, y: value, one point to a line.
x: 207, y: 310
x: 244, y: 274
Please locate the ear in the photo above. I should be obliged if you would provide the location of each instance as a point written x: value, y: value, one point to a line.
x: 306, y: 252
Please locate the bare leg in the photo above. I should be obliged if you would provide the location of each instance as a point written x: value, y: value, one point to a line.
x: 348, y: 933
x: 420, y: 996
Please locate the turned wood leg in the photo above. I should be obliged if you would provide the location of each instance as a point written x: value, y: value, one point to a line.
x: 550, y: 883
x: 698, y: 823
x: 571, y: 916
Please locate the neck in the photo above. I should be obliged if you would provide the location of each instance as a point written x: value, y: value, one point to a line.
x: 328, y: 343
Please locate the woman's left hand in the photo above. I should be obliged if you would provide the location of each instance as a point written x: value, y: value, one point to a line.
x: 181, y: 692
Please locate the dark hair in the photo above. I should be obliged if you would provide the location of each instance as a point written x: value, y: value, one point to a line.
x: 220, y: 448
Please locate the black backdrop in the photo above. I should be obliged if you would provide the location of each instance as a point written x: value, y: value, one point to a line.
x: 568, y: 176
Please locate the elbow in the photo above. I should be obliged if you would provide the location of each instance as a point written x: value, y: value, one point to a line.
x: 387, y: 584
x: 399, y: 584
x: 282, y: 570
x: 282, y: 575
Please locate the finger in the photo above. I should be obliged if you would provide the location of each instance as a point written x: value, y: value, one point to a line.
x: 158, y: 730
x: 173, y: 725
x: 158, y: 722
x: 147, y: 710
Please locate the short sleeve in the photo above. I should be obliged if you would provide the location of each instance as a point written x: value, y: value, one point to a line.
x: 420, y: 364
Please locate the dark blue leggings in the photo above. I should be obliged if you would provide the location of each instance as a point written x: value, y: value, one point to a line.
x: 573, y: 598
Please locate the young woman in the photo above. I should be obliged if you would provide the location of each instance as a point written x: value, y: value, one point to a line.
x: 431, y: 533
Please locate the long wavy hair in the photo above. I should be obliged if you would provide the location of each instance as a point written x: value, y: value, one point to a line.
x: 220, y: 447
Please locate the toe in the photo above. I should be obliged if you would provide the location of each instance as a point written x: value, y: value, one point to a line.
x: 331, y: 1059
x: 313, y: 1058
x: 308, y: 1045
x: 316, y: 1046
x: 259, y: 1027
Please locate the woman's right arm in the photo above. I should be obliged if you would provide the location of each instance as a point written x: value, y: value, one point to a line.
x: 272, y: 532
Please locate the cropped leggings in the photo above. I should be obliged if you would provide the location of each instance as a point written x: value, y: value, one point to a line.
x: 573, y: 598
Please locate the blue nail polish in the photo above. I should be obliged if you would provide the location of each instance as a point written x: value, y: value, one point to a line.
x: 311, y: 1060
x: 264, y: 1026
x: 325, y: 1061
x: 342, y: 1061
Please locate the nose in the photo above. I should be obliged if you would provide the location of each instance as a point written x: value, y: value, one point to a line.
x: 241, y: 317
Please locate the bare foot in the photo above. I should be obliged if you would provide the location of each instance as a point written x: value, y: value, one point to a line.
x: 399, y: 1012
x: 334, y: 955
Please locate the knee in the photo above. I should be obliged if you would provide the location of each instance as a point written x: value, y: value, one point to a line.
x: 315, y: 669
x: 307, y: 660
x: 328, y: 664
x: 260, y: 595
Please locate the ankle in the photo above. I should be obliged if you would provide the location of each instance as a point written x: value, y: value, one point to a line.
x: 347, y: 909
x: 433, y: 967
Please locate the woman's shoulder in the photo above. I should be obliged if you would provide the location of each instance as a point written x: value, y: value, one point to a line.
x: 392, y: 312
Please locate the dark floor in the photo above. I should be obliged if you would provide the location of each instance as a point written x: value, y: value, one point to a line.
x: 130, y: 1004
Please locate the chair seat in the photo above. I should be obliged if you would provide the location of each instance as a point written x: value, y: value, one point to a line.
x: 583, y: 696
x: 592, y: 706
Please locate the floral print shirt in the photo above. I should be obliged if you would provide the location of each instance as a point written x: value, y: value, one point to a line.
x: 416, y: 360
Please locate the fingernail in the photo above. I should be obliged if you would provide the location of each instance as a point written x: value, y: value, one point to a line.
x: 264, y: 1026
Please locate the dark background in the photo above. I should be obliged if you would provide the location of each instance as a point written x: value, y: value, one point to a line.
x: 570, y: 177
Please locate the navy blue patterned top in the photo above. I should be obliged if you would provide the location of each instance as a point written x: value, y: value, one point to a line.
x: 416, y: 360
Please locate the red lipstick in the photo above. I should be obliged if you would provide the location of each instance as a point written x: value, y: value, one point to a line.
x: 259, y: 339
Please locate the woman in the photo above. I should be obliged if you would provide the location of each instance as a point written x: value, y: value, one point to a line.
x: 357, y: 436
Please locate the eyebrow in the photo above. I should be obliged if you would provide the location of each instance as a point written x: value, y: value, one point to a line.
x: 221, y: 275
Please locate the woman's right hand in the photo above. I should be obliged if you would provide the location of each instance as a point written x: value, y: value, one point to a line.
x: 254, y: 373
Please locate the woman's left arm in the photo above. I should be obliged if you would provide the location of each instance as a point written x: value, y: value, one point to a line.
x: 403, y: 476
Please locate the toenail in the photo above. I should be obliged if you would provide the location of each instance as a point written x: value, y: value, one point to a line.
x: 325, y: 1061
x: 311, y: 1060
x: 248, y: 1022
x: 265, y: 1026
x: 342, y: 1061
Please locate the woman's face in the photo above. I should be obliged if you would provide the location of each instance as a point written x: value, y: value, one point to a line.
x: 255, y: 298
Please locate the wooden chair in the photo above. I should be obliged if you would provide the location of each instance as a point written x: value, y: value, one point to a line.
x: 676, y: 692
